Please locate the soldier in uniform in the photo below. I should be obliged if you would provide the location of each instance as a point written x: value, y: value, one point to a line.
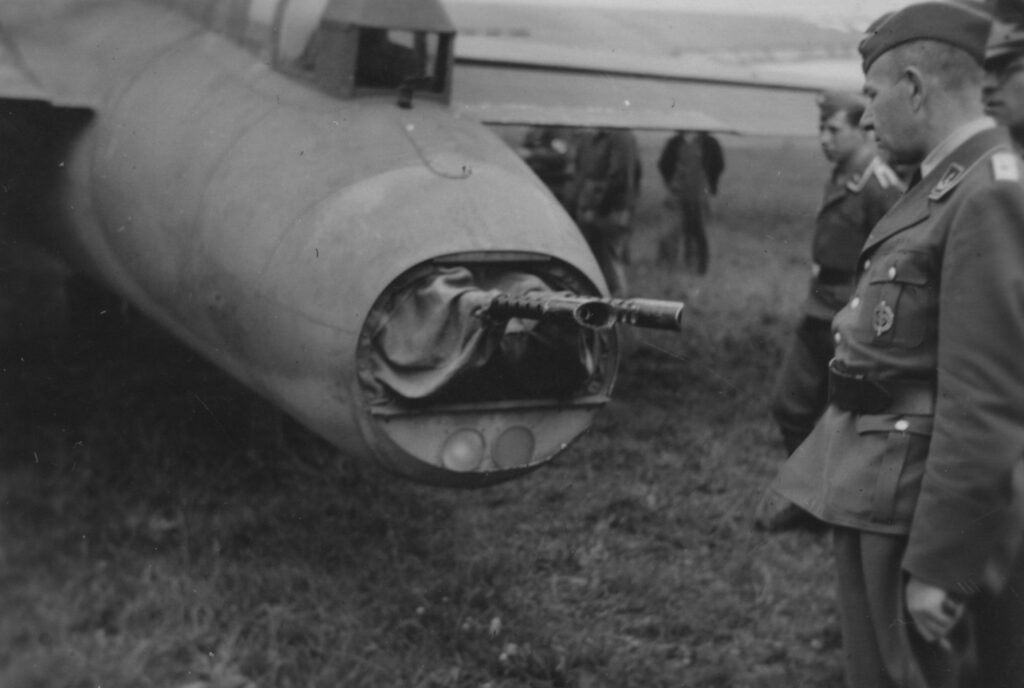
x: 604, y: 196
x: 1001, y: 618
x: 713, y: 158
x: 858, y: 193
x: 916, y: 458
x: 1004, y: 74
x: 684, y: 171
x: 546, y: 150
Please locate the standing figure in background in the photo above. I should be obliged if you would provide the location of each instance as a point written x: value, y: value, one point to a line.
x: 1003, y: 88
x: 713, y: 158
x: 603, y: 197
x: 682, y: 168
x: 546, y: 150
x: 858, y: 193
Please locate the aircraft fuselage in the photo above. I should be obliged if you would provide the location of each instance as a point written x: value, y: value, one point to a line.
x: 260, y: 220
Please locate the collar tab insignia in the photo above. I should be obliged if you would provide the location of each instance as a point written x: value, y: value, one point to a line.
x: 952, y: 176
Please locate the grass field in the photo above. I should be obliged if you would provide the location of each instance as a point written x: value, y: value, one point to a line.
x: 154, y: 533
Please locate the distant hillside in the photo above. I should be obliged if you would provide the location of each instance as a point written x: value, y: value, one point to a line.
x: 737, y: 37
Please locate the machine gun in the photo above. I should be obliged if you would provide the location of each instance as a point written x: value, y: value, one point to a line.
x: 586, y: 311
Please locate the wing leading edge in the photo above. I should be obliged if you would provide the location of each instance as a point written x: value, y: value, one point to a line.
x: 522, y: 82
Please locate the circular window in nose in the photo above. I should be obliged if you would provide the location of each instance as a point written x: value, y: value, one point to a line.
x: 463, y: 451
x: 514, y: 447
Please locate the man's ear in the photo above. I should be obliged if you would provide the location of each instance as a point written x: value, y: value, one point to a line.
x: 915, y: 86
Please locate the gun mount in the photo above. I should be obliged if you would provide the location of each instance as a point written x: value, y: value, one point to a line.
x: 504, y: 362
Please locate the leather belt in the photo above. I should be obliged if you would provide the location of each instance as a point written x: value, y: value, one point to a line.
x: 857, y: 393
x: 832, y: 276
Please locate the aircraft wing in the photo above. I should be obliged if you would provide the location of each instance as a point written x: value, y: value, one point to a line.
x: 503, y: 81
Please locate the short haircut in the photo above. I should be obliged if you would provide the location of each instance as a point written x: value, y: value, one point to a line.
x: 953, y: 68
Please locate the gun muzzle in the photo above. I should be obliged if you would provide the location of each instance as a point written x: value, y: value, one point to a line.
x: 650, y: 313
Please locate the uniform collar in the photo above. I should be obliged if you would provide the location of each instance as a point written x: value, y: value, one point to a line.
x: 853, y: 178
x: 859, y: 181
x: 915, y: 205
x: 954, y: 141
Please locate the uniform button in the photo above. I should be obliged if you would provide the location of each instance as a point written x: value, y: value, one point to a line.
x: 901, y: 425
x: 892, y: 272
x: 838, y: 337
x: 855, y: 303
x: 867, y: 264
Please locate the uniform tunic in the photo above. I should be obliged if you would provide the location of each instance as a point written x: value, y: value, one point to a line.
x: 939, y: 305
x: 852, y: 204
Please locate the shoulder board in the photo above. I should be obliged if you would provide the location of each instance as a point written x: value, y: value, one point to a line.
x: 1005, y: 168
x: 953, y: 175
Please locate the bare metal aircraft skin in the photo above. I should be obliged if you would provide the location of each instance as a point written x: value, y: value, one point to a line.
x: 222, y: 166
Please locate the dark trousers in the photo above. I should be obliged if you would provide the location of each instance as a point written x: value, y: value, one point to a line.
x: 801, y: 390
x: 880, y: 646
x: 694, y: 238
x: 1000, y: 628
x: 610, y: 249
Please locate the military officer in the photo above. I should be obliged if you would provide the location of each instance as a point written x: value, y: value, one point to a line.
x: 859, y: 191
x: 916, y: 458
x: 1001, y: 618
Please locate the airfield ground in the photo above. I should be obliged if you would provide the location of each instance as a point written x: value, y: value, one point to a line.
x: 153, y: 534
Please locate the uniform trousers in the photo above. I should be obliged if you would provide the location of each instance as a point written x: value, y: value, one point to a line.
x: 694, y: 238
x: 880, y: 645
x: 611, y: 249
x: 1000, y: 631
x: 801, y: 390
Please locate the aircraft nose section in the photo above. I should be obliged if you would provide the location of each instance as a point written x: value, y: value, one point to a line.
x: 441, y: 395
x: 380, y: 267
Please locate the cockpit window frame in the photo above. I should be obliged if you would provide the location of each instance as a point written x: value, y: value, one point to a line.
x: 330, y: 58
x: 436, y: 65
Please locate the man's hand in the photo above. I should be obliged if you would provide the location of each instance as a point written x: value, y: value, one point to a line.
x: 934, y: 611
